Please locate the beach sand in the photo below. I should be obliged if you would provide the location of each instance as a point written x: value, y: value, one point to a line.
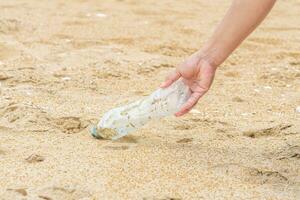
x: 65, y: 63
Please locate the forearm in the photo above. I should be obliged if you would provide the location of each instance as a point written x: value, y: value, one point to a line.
x: 240, y: 20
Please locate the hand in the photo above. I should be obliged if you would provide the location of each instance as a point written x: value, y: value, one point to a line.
x: 198, y: 74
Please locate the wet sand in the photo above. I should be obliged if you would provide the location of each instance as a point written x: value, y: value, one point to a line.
x: 64, y: 64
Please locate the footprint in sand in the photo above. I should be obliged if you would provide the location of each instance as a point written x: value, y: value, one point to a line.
x: 273, y: 131
x: 34, y: 158
x: 291, y: 152
x: 62, y: 193
x: 250, y: 174
x: 185, y: 140
x: 13, y: 193
x: 70, y: 125
x: 268, y: 177
x: 27, y: 117
x: 4, y: 76
x: 47, y: 193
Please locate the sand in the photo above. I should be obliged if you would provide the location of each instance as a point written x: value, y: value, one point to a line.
x: 63, y: 64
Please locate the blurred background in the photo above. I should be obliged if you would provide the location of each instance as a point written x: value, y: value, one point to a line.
x: 64, y: 63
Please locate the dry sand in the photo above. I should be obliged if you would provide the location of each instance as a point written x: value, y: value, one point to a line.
x: 64, y: 63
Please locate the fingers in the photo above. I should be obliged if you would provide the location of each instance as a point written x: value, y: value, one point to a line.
x: 171, y: 78
x: 191, y: 102
x: 199, y: 88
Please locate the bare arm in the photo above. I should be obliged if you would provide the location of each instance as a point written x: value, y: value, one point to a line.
x: 199, y: 69
x: 240, y: 20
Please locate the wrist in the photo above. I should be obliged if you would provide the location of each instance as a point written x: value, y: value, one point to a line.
x: 212, y: 54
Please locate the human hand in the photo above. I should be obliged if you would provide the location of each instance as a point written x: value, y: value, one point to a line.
x: 199, y: 69
x: 197, y: 73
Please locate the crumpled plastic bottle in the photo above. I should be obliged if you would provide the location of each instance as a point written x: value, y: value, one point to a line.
x: 120, y: 121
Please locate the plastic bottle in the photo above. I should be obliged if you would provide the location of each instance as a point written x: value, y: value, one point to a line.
x: 120, y: 121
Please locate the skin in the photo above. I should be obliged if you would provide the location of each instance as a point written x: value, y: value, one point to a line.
x: 198, y: 70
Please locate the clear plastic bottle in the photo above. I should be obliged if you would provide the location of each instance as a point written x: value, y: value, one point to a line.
x: 120, y: 121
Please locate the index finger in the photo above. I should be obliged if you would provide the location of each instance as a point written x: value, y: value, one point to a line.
x: 191, y: 102
x: 171, y: 78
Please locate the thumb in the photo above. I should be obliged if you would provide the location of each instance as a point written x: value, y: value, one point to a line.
x: 171, y: 78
